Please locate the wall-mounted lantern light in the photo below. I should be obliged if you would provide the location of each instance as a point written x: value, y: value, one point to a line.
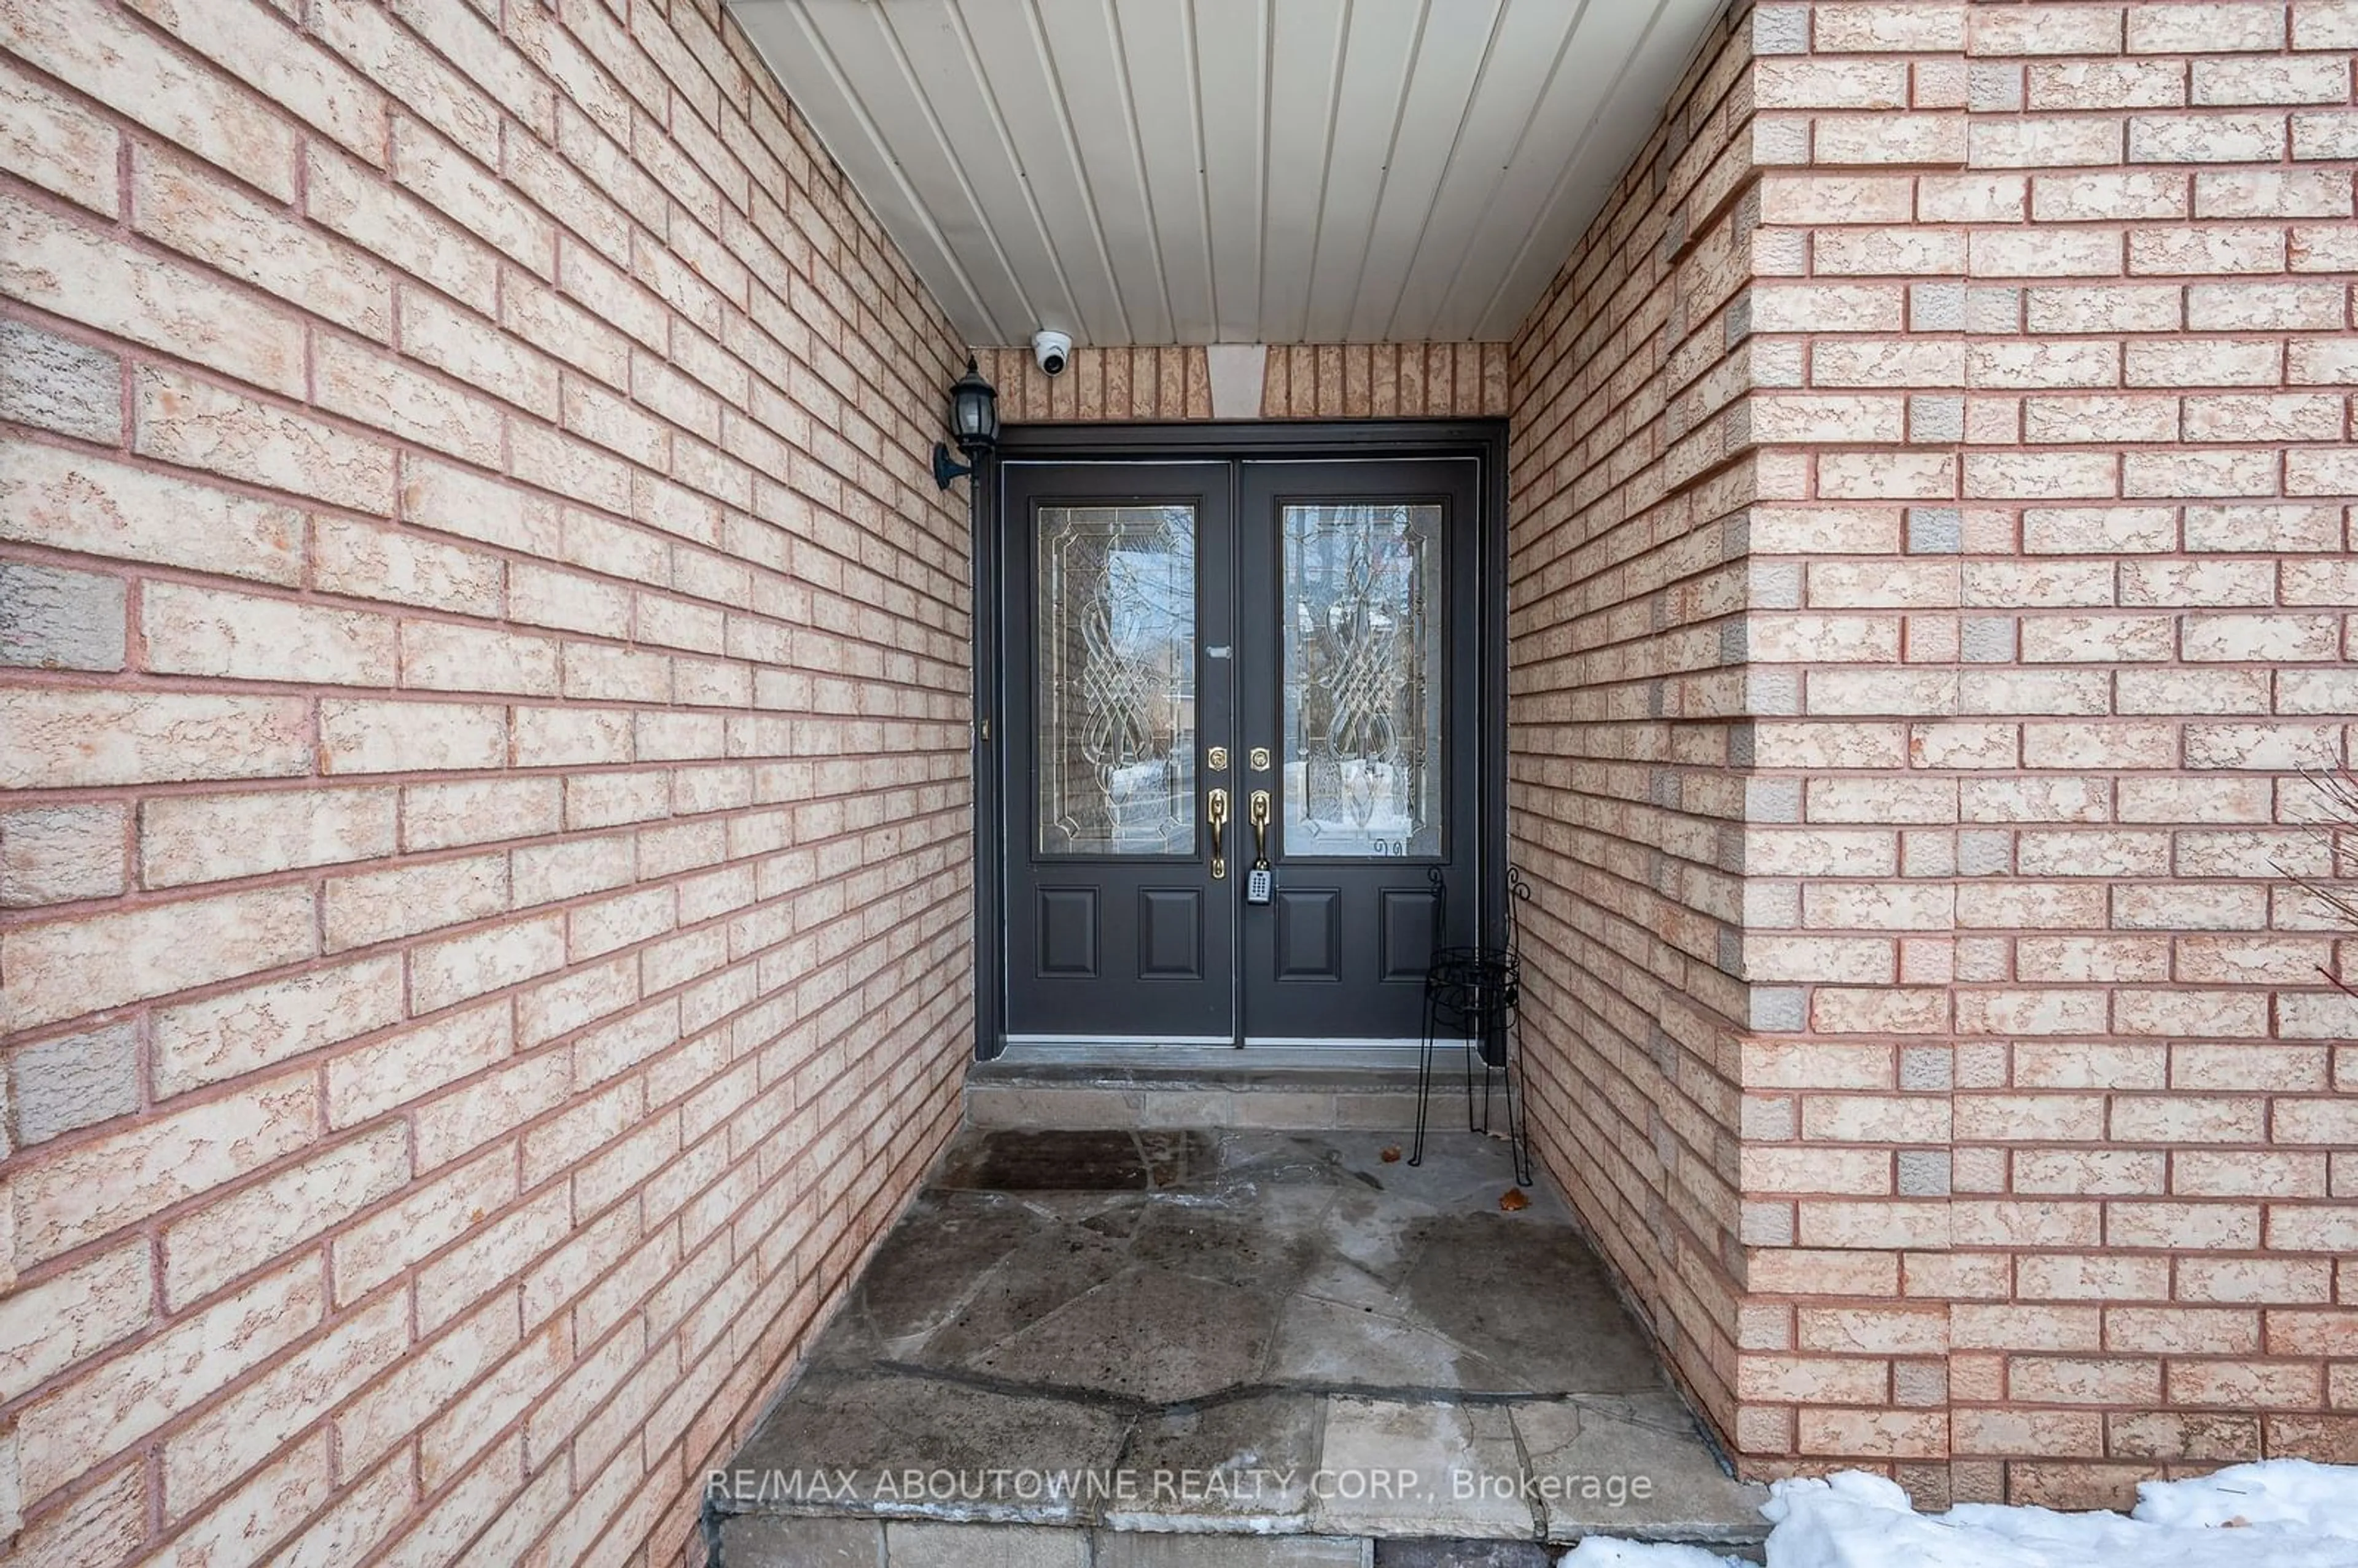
x: 974, y: 425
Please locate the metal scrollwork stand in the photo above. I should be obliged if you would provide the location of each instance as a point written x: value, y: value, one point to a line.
x: 1476, y: 994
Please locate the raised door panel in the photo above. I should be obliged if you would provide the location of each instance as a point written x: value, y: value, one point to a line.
x: 1171, y: 933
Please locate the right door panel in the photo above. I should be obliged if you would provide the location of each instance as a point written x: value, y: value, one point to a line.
x: 1358, y: 657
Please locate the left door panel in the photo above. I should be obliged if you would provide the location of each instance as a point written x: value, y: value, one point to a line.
x: 1119, y: 698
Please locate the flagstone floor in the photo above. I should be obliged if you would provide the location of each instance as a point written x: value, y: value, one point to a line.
x: 1227, y: 1333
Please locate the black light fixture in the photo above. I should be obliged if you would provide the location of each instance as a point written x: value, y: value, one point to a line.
x: 974, y: 424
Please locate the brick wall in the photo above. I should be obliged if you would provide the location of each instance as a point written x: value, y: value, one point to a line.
x: 486, y: 868
x: 1299, y: 380
x: 2052, y: 635
x: 1624, y: 692
x: 2045, y: 1176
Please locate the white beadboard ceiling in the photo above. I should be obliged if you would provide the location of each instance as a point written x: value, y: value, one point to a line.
x: 1195, y: 171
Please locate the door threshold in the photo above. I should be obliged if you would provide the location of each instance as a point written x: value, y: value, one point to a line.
x: 1336, y: 1055
x: 1074, y: 1086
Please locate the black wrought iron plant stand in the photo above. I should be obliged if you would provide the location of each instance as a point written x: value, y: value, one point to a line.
x: 1475, y: 994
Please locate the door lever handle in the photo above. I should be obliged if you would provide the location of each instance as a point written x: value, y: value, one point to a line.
x: 1217, y: 810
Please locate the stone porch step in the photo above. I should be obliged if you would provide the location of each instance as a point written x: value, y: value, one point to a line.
x: 1065, y: 1088
x: 773, y: 1542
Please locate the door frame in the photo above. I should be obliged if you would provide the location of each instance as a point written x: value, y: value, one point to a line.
x: 1483, y: 440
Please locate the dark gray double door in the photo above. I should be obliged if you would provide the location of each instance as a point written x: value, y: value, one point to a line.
x: 1213, y: 665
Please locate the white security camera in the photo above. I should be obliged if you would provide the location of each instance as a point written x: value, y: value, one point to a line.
x: 1053, y: 350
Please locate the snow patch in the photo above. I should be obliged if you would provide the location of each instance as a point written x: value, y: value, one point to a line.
x: 2281, y: 1513
x: 1598, y: 1552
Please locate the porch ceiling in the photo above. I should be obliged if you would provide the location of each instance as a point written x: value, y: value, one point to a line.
x: 1156, y: 172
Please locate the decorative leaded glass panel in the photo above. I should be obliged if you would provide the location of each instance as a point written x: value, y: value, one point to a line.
x: 1116, y: 700
x: 1362, y: 608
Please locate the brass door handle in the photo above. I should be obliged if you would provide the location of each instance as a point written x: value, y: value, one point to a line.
x: 1259, y: 812
x: 1217, y: 810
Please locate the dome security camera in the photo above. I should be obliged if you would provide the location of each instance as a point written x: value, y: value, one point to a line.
x: 1053, y: 350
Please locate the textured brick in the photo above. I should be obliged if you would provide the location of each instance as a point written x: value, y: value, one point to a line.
x: 58, y: 853
x: 381, y: 906
x: 372, y: 737
x: 267, y: 1218
x: 56, y: 383
x: 97, y: 1187
x: 352, y: 202
x: 252, y: 43
x: 72, y: 1314
x: 440, y: 657
x: 446, y: 336
x: 388, y: 395
x: 462, y: 967
x: 82, y: 272
x: 2066, y: 29
x: 363, y: 561
x: 192, y: 838
x: 403, y: 1065
x: 402, y: 62
x: 201, y: 632
x: 428, y: 1214
x: 189, y: 422
x: 74, y: 501
x: 258, y: 1513
x: 241, y: 309
x: 214, y: 222
x: 110, y: 56
x: 438, y: 816
x: 57, y: 145
x: 456, y: 184
x: 493, y: 1256
x: 2224, y: 28
x: 240, y: 1031
x: 437, y: 496
x: 75, y: 1080
x: 123, y: 1399
x: 67, y: 968
x: 56, y: 620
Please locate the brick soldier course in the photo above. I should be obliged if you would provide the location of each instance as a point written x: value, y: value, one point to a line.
x: 486, y: 868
